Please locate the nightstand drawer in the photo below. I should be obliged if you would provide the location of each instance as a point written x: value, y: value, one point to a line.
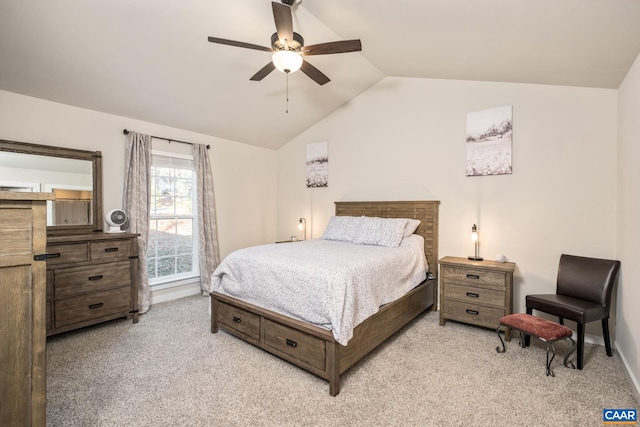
x: 472, y: 313
x: 91, y: 306
x: 473, y: 277
x: 245, y: 323
x: 304, y: 347
x: 475, y: 295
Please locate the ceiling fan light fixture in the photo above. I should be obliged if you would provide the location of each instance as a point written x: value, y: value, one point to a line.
x: 287, y: 61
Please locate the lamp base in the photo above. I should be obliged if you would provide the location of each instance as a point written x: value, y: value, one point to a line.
x: 476, y: 258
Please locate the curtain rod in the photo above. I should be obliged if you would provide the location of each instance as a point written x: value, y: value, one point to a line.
x: 126, y: 132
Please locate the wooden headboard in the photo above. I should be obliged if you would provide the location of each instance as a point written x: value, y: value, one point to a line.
x: 425, y: 211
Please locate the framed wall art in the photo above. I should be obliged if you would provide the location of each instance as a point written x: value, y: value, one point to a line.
x: 317, y: 165
x: 489, y: 141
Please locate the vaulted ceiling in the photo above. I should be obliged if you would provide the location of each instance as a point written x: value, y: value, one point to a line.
x: 150, y: 59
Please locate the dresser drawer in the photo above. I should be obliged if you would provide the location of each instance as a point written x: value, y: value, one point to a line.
x: 475, y: 295
x: 49, y: 312
x: 49, y: 285
x: 65, y: 254
x: 91, y: 306
x: 473, y: 277
x: 245, y: 323
x: 304, y: 347
x: 110, y: 250
x: 91, y: 278
x: 472, y: 313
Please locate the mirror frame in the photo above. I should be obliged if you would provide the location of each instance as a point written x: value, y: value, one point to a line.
x: 95, y: 157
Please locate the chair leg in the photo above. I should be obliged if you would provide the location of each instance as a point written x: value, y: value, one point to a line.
x: 527, y: 338
x: 580, y: 351
x: 605, y: 334
x: 561, y: 320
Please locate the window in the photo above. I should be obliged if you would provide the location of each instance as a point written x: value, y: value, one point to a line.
x: 173, y: 236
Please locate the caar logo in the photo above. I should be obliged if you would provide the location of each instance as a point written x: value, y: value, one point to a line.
x: 619, y: 416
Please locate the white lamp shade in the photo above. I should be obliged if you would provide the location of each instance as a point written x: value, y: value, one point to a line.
x: 287, y: 61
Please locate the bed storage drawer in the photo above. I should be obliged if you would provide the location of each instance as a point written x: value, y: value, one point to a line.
x: 239, y: 320
x: 304, y: 347
x: 91, y: 306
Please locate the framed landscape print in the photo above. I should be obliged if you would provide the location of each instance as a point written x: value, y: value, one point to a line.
x: 489, y: 135
x: 317, y: 165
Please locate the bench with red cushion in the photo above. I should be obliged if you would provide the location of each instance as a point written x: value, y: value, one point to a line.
x: 546, y: 330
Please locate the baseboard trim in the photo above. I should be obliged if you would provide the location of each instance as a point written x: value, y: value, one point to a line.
x: 175, y: 292
x: 635, y: 385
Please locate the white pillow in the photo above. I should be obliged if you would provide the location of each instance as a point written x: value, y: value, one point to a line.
x: 381, y: 231
x: 411, y: 227
x: 342, y: 228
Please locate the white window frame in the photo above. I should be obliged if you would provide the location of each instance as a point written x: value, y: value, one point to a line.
x: 165, y: 282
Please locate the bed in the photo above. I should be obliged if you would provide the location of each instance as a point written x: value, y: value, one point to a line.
x: 315, y: 348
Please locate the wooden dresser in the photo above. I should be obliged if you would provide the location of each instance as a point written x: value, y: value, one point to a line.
x: 91, y: 278
x: 475, y: 292
x: 23, y: 228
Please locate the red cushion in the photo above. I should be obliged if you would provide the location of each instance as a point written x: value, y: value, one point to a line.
x: 542, y: 328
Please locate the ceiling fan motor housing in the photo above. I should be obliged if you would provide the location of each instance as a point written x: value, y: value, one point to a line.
x: 294, y: 44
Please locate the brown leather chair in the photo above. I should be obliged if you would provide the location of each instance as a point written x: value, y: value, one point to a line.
x: 583, y: 294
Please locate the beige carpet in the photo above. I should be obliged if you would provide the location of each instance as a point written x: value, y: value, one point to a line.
x: 169, y: 370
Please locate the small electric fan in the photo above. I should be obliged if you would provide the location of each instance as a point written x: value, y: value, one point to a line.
x: 116, y: 218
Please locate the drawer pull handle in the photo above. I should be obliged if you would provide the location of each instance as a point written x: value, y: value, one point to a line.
x: 94, y: 306
x: 473, y: 276
x: 237, y: 319
x: 474, y: 312
x: 472, y: 295
x: 111, y: 250
x: 44, y: 257
x: 291, y: 343
x: 95, y: 277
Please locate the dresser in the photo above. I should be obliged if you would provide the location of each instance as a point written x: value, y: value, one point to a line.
x: 23, y: 228
x: 91, y: 278
x: 475, y: 292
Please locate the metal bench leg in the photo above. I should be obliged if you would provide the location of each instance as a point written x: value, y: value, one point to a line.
x: 569, y: 353
x: 551, y: 348
x: 499, y: 336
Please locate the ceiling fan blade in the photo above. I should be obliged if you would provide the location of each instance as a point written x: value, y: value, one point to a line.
x: 264, y: 71
x: 239, y: 44
x: 343, y: 46
x: 284, y: 21
x: 315, y: 74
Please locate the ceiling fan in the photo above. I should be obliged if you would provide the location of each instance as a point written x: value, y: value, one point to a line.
x: 288, y: 47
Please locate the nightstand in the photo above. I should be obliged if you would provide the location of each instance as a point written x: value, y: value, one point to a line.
x: 476, y: 292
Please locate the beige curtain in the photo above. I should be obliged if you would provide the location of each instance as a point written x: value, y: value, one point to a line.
x: 136, y: 203
x: 207, y: 229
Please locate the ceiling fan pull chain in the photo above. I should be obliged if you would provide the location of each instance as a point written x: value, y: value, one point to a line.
x: 287, y: 103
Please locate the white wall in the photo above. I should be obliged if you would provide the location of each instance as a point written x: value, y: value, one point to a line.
x: 244, y: 176
x: 404, y: 139
x: 628, y: 315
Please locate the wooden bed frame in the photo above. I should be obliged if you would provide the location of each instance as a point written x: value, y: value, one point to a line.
x: 313, y: 348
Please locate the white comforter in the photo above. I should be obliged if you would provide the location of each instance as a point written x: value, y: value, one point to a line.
x: 331, y: 284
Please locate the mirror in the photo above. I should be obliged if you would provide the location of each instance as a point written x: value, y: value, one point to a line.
x: 74, y: 176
